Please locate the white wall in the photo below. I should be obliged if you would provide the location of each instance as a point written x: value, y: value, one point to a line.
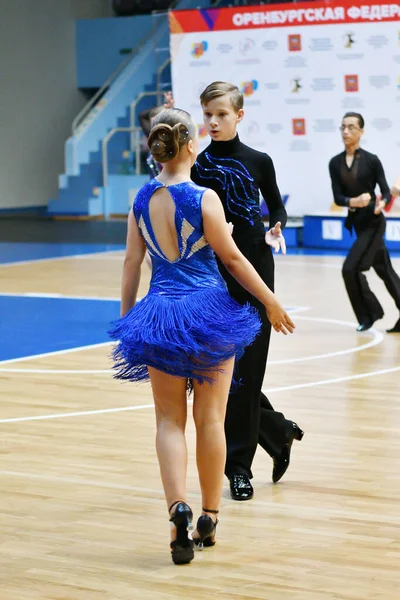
x: 38, y: 96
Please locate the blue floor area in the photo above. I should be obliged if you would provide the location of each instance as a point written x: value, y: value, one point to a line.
x: 30, y: 326
x: 315, y: 252
x: 21, y: 252
x: 17, y: 252
x: 327, y: 252
x: 38, y: 325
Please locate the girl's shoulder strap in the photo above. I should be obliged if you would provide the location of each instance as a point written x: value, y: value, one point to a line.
x: 143, y: 196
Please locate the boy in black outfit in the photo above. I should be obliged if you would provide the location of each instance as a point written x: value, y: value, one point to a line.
x: 237, y: 173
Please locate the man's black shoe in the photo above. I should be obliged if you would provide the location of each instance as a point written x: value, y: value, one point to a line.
x: 241, y: 488
x: 282, y: 462
x: 395, y: 329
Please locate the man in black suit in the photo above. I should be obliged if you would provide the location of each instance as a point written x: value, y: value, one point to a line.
x: 355, y: 173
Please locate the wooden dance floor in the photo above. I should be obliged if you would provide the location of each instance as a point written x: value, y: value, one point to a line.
x: 82, y: 513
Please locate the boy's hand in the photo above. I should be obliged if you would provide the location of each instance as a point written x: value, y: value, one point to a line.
x: 275, y: 239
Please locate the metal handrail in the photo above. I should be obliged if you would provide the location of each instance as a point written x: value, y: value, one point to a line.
x: 88, y: 107
x: 160, y: 70
x: 104, y: 144
x: 133, y: 105
x: 132, y: 129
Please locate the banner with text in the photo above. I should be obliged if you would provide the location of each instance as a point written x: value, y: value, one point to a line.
x: 300, y: 69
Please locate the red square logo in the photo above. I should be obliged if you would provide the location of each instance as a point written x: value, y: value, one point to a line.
x: 294, y: 43
x: 299, y: 126
x: 351, y: 83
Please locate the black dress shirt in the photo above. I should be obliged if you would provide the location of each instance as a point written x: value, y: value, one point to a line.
x: 364, y: 174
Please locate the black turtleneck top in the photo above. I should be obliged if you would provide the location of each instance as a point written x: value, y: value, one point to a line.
x: 237, y: 173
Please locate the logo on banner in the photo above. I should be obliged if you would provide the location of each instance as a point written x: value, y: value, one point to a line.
x: 296, y: 85
x: 246, y: 46
x: 349, y: 40
x: 294, y: 42
x: 202, y: 130
x: 198, y: 49
x: 299, y: 126
x: 248, y: 87
x: 210, y: 17
x: 351, y: 83
x: 253, y: 129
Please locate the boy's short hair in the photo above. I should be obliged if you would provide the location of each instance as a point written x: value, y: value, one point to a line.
x: 221, y: 88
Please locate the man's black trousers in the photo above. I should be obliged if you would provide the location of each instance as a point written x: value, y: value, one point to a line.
x: 368, y: 251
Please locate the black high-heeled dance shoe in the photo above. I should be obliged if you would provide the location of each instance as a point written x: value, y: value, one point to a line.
x: 206, y: 528
x: 182, y: 548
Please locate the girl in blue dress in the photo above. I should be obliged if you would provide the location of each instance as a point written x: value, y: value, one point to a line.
x: 187, y: 331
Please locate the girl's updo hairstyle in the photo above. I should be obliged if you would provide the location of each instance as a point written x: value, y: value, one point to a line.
x: 171, y: 129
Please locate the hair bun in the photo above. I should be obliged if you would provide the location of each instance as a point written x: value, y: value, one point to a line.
x: 182, y: 133
x: 172, y: 129
x: 165, y: 135
x: 163, y: 143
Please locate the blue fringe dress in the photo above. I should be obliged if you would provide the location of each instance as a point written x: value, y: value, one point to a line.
x: 187, y: 324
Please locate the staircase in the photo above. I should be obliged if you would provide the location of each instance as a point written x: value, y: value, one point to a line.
x: 80, y: 187
x: 81, y: 192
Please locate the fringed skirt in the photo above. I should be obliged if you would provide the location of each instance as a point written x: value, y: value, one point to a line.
x: 189, y: 337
